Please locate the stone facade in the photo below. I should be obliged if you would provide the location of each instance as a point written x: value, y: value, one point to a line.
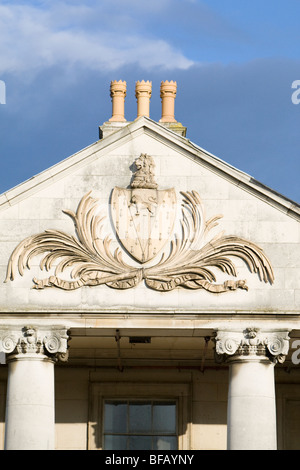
x: 212, y: 324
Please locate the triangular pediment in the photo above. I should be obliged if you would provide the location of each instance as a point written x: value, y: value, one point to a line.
x: 175, y: 239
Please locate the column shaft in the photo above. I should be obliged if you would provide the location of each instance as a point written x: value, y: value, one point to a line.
x: 251, y: 417
x: 30, y: 405
x: 31, y: 354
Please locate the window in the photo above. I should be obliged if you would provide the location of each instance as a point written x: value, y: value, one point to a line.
x: 139, y: 415
x: 140, y: 425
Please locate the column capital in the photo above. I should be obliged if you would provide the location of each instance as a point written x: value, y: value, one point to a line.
x: 34, y: 341
x: 252, y: 342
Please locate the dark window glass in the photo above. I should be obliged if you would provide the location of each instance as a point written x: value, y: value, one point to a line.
x: 140, y: 417
x: 164, y: 417
x: 140, y: 425
x: 115, y: 417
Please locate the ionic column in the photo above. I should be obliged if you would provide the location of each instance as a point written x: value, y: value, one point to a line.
x: 143, y: 92
x: 118, y: 94
x: 168, y: 94
x: 31, y: 355
x: 251, y: 355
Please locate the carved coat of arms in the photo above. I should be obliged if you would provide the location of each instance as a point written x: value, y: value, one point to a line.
x: 143, y: 215
x: 143, y: 219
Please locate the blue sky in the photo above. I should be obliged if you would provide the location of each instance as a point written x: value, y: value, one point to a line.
x: 234, y: 62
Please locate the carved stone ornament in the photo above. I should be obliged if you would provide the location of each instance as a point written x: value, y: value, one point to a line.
x: 252, y: 342
x: 52, y: 343
x: 143, y: 219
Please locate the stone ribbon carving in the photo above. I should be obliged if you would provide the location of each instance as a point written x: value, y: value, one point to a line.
x: 252, y: 342
x: 144, y: 223
x: 35, y: 340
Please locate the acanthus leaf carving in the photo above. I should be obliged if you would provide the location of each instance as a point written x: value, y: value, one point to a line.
x: 188, y: 262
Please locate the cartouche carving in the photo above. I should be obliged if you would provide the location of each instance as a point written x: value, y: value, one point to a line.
x: 144, y: 222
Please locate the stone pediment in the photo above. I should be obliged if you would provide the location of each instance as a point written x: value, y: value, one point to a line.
x: 103, y: 219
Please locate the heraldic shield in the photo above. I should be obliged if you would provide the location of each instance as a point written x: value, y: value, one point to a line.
x: 143, y: 216
x: 143, y: 219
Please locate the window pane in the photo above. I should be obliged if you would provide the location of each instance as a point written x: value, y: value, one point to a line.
x: 139, y: 417
x: 140, y: 443
x: 164, y: 417
x: 115, y: 442
x: 165, y: 443
x: 115, y: 417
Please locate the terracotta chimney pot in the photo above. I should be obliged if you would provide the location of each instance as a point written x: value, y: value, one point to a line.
x: 143, y: 92
x: 117, y: 93
x: 168, y: 95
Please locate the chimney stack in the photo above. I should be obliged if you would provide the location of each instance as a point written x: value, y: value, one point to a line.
x: 143, y: 92
x: 168, y: 95
x: 117, y: 93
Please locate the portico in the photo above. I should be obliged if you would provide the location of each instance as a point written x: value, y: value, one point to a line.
x: 247, y: 357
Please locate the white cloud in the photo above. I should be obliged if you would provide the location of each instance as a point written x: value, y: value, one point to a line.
x: 33, y: 38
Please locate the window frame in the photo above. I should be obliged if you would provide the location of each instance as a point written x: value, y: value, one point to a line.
x: 100, y: 392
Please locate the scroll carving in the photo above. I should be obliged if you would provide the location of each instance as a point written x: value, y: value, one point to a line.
x: 184, y: 260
